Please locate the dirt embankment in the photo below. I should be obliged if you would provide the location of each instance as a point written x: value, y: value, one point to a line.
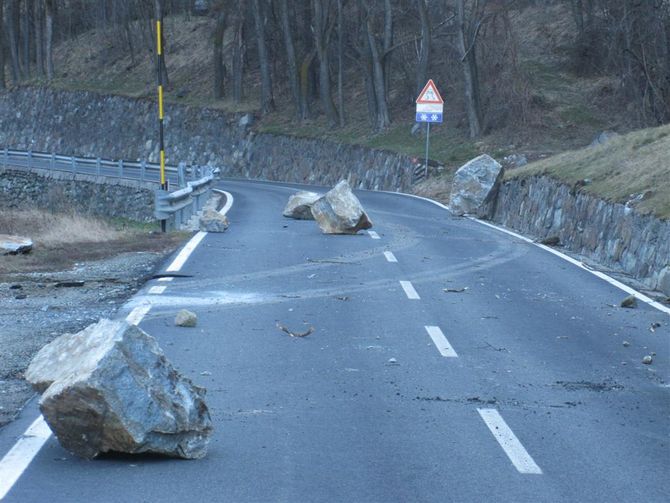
x: 78, y: 272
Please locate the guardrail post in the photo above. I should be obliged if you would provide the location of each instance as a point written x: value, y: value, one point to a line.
x: 6, y: 156
x: 30, y: 159
x: 98, y: 169
x: 121, y: 168
x: 181, y: 182
x: 74, y: 164
x: 143, y: 170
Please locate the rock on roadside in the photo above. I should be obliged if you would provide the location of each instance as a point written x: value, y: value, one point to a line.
x: 213, y: 221
x: 299, y: 205
x: 13, y: 245
x: 111, y: 388
x: 186, y: 318
x: 475, y: 187
x: 340, y: 212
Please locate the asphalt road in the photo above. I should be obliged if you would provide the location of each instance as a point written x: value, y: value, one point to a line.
x: 530, y: 396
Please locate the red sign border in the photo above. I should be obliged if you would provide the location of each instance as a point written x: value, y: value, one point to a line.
x: 430, y: 83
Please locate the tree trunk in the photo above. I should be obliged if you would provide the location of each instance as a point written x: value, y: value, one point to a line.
x: 340, y: 63
x: 13, y: 36
x: 383, y: 116
x: 25, y: 52
x: 3, y: 82
x: 467, y: 48
x: 424, y: 54
x: 305, y: 75
x: 267, y: 99
x: 290, y: 58
x: 39, y: 38
x: 238, y: 52
x: 217, y: 56
x: 321, y: 40
x: 48, y: 38
x: 388, y: 42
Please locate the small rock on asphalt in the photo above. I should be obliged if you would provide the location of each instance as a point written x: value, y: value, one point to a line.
x: 626, y: 344
x: 647, y: 360
x: 186, y: 318
x: 629, y: 302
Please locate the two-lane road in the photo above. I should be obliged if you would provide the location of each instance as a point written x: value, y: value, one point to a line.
x: 449, y: 362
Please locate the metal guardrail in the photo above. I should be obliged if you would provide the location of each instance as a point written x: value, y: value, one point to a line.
x: 178, y: 205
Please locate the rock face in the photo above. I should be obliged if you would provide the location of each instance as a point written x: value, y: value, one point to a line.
x: 475, y: 187
x: 213, y: 221
x: 340, y: 212
x: 13, y: 245
x: 110, y: 388
x: 299, y: 205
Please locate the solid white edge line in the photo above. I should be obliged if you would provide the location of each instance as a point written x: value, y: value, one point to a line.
x: 15, y: 462
x: 515, y: 451
x: 441, y: 342
x: 157, y: 290
x: 631, y: 291
x: 374, y: 235
x: 138, y: 314
x: 409, y: 290
x: 390, y: 257
x: 229, y: 201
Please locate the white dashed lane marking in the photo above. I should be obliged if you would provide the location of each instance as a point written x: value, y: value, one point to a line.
x: 374, y: 235
x: 516, y: 452
x: 441, y: 342
x: 157, y: 290
x: 409, y: 290
x: 390, y: 257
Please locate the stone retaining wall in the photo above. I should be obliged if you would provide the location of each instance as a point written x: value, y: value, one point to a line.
x: 88, y: 194
x: 610, y: 234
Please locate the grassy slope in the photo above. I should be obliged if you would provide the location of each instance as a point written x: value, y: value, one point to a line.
x: 626, y: 165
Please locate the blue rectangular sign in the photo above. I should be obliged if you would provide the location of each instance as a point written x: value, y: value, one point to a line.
x: 428, y: 117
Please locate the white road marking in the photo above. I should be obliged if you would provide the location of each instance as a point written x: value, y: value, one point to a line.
x: 409, y: 290
x: 374, y: 235
x: 441, y: 342
x: 166, y: 278
x: 193, y: 243
x: 390, y: 257
x: 157, y: 290
x: 19, y: 457
x: 642, y: 297
x: 517, y: 454
x: 138, y: 314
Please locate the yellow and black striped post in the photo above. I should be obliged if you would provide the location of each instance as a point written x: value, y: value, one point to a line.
x: 159, y: 77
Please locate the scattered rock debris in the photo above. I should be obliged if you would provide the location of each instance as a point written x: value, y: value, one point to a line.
x: 626, y: 344
x: 70, y: 284
x: 392, y: 361
x: 186, y: 318
x: 647, y: 360
x: 599, y: 387
x: 281, y: 327
x: 654, y: 326
x: 455, y: 290
x: 629, y: 302
x: 551, y: 241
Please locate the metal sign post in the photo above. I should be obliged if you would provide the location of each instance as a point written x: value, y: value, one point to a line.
x: 429, y: 108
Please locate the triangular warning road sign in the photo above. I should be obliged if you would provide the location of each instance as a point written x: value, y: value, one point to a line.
x: 430, y: 94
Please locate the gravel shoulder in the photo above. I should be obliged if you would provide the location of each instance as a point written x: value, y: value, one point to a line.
x: 38, y: 304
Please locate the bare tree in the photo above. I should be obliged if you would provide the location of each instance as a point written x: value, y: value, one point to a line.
x: 292, y: 65
x: 239, y: 50
x: 323, y: 28
x: 39, y: 37
x: 3, y: 83
x: 267, y: 98
x: 217, y: 53
x: 13, y: 20
x: 469, y: 22
x: 424, y: 47
x: 48, y: 37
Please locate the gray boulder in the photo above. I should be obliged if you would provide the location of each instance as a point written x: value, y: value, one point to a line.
x: 664, y: 280
x: 475, y: 187
x: 213, y: 221
x: 340, y: 212
x: 111, y: 388
x: 299, y: 205
x: 13, y: 245
x: 186, y: 318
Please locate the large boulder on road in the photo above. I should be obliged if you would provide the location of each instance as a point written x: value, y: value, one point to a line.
x: 340, y: 212
x: 213, y: 221
x: 299, y: 205
x: 475, y: 187
x: 111, y: 388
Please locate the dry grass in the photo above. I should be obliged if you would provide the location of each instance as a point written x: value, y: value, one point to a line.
x: 63, y: 239
x: 53, y: 229
x: 626, y: 165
